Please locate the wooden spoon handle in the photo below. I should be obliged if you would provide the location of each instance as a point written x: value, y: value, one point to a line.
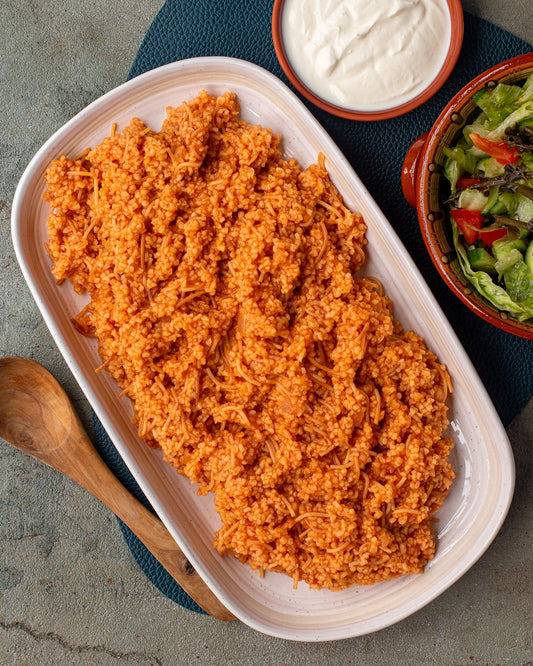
x: 54, y: 435
x: 149, y: 529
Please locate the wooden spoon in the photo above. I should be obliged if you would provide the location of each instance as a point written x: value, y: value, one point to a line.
x: 37, y: 417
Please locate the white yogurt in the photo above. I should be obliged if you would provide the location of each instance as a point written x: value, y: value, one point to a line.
x: 366, y: 55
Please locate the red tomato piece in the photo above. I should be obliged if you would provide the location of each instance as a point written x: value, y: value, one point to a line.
x: 499, y: 150
x: 469, y: 222
x: 463, y: 183
x: 488, y: 237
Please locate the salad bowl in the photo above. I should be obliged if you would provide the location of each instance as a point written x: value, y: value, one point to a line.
x: 426, y: 186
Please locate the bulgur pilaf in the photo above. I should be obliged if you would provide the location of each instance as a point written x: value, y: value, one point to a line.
x: 226, y: 301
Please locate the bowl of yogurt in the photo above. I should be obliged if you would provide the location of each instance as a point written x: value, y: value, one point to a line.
x: 367, y: 60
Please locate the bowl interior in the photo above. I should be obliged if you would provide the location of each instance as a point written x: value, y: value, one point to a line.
x: 433, y: 189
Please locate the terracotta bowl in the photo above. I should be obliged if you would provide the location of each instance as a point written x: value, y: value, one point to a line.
x: 456, y: 40
x: 425, y: 188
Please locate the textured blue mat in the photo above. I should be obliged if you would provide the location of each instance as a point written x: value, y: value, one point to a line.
x: 376, y: 151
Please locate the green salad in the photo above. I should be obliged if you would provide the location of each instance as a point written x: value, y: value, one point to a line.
x: 490, y: 171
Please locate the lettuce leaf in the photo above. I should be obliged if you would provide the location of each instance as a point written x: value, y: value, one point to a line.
x: 485, y: 285
x: 498, y: 103
x: 519, y: 284
x: 458, y: 162
x: 527, y: 89
x: 521, y: 113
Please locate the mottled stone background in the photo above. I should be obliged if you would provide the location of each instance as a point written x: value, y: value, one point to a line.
x: 70, y: 592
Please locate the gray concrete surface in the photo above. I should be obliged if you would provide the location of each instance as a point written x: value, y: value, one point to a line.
x: 70, y: 591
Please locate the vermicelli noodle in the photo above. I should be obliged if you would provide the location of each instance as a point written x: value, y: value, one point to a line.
x: 227, y: 303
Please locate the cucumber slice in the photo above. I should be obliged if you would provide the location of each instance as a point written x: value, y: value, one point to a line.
x: 492, y: 199
x: 499, y: 208
x: 528, y: 257
x: 481, y: 260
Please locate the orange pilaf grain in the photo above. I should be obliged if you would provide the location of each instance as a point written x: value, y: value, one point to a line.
x: 225, y: 297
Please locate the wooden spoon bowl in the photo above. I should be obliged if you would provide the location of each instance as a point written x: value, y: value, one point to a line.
x: 37, y: 417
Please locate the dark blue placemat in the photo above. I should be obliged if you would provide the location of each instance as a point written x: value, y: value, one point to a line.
x: 156, y: 573
x: 376, y: 151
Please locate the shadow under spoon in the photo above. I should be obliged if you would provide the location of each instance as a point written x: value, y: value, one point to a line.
x: 37, y: 417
